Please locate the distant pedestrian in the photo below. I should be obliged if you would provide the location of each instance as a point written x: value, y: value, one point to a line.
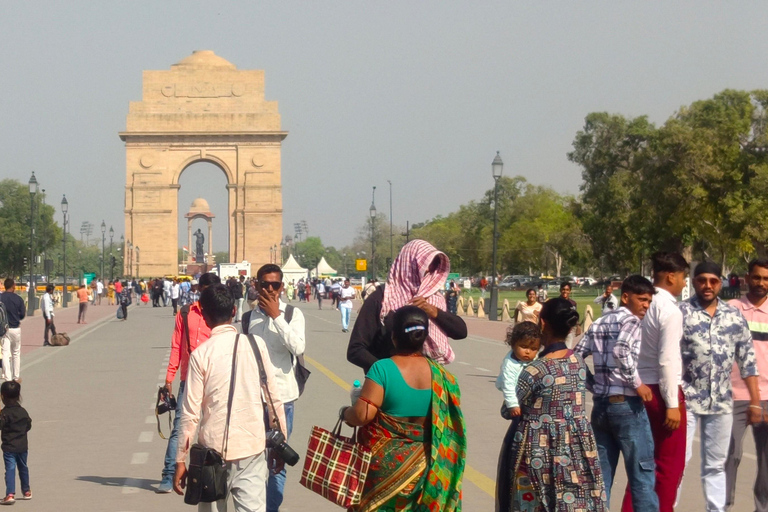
x: 82, y: 297
x: 100, y: 289
x: 346, y: 294
x: 320, y: 290
x: 483, y: 286
x: 452, y: 297
x: 46, y: 306
x: 529, y: 310
x: 175, y: 294
x: 541, y: 294
x: 335, y: 293
x: 607, y: 301
x: 125, y: 300
x: 14, y: 307
x: 111, y: 293
x: 94, y: 294
x: 290, y: 290
x: 14, y: 425
x: 370, y: 287
x: 167, y: 285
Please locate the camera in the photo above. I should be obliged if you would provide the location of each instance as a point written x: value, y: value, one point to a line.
x: 276, y: 441
x: 165, y: 401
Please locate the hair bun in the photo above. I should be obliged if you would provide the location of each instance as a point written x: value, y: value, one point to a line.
x: 573, y: 318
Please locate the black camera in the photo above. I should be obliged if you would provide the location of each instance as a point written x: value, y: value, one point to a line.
x: 166, y: 402
x: 276, y: 441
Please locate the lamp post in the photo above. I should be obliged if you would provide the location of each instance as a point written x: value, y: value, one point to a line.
x: 103, y: 239
x: 111, y: 265
x: 496, y: 167
x: 129, y: 251
x: 137, y: 260
x: 372, y: 212
x: 31, y: 290
x: 64, y: 210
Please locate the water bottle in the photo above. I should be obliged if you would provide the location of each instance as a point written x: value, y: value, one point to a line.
x: 354, y: 393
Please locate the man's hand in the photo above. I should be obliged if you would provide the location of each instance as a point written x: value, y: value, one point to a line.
x: 672, y: 422
x: 180, y: 478
x: 276, y: 464
x: 169, y: 387
x: 269, y: 305
x: 422, y: 304
x: 754, y: 415
x: 645, y: 393
x: 515, y: 411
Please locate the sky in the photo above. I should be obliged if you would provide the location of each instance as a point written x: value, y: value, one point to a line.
x: 419, y: 93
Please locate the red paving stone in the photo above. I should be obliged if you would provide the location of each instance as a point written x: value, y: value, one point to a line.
x: 33, y: 328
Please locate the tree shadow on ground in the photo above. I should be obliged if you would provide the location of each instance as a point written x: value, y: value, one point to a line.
x: 147, y: 484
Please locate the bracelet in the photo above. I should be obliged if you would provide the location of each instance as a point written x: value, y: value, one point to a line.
x: 756, y: 407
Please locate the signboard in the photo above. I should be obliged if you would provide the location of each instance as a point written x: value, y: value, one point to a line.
x: 361, y: 265
x: 454, y: 276
x: 88, y: 277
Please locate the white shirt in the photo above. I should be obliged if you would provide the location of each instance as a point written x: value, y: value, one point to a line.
x: 660, y: 361
x: 47, y: 305
x: 167, y: 286
x: 99, y: 287
x: 175, y: 291
x: 207, y: 394
x: 283, y: 341
x: 347, y: 294
x: 320, y: 288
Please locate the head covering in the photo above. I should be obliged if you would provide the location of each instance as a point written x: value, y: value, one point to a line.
x: 707, y: 267
x: 408, y: 279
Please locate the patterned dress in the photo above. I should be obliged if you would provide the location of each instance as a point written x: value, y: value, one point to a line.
x: 554, y: 464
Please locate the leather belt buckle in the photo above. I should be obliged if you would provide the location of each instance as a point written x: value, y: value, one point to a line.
x: 616, y: 399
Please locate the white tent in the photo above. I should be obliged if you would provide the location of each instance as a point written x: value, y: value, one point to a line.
x: 292, y: 271
x: 323, y: 268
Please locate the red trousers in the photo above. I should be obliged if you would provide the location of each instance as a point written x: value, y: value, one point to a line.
x: 668, y: 451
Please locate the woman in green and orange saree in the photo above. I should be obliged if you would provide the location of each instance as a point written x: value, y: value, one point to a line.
x: 410, y: 413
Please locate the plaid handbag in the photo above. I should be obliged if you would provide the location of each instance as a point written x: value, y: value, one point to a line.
x: 335, y: 467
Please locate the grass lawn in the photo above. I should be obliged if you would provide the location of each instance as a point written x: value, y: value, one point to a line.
x: 582, y: 296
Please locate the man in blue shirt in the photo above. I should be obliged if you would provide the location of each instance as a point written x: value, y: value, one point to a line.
x: 14, y: 306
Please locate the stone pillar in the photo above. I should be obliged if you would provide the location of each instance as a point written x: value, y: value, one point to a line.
x: 189, y: 239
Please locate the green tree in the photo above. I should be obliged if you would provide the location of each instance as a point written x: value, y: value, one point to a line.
x: 221, y: 256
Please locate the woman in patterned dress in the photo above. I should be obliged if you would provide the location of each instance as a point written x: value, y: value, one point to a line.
x: 552, y: 462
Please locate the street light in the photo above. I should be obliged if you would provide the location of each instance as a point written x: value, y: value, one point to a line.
x: 103, y: 239
x: 64, y: 210
x: 111, y: 265
x: 496, y: 168
x: 137, y: 261
x: 372, y: 211
x: 31, y: 290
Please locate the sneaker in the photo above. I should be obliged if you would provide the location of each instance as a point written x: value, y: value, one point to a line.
x: 165, y: 487
x: 8, y: 500
x: 26, y: 496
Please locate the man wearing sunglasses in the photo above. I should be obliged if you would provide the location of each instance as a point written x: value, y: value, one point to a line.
x: 715, y: 335
x: 284, y: 341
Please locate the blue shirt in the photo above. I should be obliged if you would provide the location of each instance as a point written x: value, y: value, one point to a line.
x: 709, y: 347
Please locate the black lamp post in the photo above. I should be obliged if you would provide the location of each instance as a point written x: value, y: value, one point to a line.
x: 137, y: 260
x: 372, y: 212
x: 64, y: 210
x: 121, y: 251
x: 496, y: 167
x: 129, y: 255
x: 31, y: 291
x: 103, y: 240
x: 111, y: 265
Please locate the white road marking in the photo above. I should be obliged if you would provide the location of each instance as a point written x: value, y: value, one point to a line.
x: 464, y: 363
x: 482, y: 369
x: 146, y: 437
x: 131, y: 486
x: 149, y: 419
x: 140, y: 458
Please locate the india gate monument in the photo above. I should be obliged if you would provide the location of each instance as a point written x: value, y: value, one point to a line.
x: 202, y: 109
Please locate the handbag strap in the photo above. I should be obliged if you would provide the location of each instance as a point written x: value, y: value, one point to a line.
x: 263, y: 378
x: 225, y: 443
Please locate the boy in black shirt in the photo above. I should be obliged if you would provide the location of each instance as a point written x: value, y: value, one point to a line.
x: 14, y: 425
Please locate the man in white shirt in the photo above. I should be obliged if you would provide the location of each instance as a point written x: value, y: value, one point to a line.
x: 167, y: 285
x: 175, y: 294
x: 99, y: 291
x: 47, y: 308
x: 284, y: 339
x: 660, y: 367
x: 320, y: 291
x: 346, y: 294
x: 608, y: 301
x: 206, y: 405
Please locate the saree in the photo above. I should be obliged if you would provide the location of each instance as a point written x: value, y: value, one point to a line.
x: 416, y: 468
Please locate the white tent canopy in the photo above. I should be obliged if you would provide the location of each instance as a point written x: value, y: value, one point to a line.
x: 323, y: 268
x: 292, y: 271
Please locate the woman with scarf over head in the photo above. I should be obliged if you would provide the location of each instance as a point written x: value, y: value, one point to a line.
x: 416, y: 278
x: 410, y: 413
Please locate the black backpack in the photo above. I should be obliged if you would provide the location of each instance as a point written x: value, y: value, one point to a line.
x: 3, y: 319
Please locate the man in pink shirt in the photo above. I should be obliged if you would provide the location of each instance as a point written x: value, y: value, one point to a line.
x: 754, y: 308
x: 236, y: 429
x: 183, y: 342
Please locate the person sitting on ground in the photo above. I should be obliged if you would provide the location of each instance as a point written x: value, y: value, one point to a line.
x: 14, y: 425
x: 416, y: 278
x: 410, y: 411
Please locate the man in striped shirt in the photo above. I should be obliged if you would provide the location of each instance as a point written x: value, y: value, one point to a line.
x: 619, y: 419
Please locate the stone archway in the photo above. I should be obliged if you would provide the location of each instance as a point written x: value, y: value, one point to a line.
x: 203, y: 109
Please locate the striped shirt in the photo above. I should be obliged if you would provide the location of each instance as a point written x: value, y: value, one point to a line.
x: 757, y: 319
x: 613, y: 341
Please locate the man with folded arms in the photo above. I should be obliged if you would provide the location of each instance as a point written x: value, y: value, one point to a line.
x: 754, y: 308
x: 207, y: 402
x: 714, y: 335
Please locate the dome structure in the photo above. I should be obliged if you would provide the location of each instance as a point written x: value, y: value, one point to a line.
x: 204, y: 59
x: 199, y: 207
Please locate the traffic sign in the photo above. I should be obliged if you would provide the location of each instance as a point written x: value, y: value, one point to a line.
x: 361, y: 265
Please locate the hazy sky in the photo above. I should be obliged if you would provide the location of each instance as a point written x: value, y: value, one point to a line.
x: 421, y: 93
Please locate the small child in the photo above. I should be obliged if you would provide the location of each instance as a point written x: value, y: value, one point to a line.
x: 14, y: 425
x: 524, y: 340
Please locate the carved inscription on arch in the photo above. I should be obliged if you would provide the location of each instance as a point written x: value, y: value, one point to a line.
x: 203, y: 90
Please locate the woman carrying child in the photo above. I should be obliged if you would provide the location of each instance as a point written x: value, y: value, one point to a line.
x: 552, y: 463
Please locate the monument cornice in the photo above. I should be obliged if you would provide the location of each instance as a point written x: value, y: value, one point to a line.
x: 202, y: 137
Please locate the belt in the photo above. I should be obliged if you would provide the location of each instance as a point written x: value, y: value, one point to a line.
x: 616, y: 399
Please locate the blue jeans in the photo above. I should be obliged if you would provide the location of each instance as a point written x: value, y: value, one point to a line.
x: 173, y: 439
x: 276, y: 483
x: 623, y: 428
x: 12, y: 461
x: 345, y: 314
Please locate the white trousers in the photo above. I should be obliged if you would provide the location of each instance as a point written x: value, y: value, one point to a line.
x: 12, y: 354
x: 715, y: 440
x: 246, y: 483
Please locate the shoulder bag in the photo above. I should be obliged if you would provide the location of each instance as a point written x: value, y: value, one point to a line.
x: 207, y: 473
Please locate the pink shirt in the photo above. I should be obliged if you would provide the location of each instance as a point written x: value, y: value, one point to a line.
x: 207, y: 393
x: 757, y: 318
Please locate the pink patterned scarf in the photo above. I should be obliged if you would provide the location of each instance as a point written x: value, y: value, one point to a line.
x: 408, y: 278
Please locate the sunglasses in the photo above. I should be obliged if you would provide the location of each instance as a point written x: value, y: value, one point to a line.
x: 712, y: 281
x: 275, y: 285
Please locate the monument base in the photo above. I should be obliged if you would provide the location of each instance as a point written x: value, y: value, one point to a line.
x: 195, y: 268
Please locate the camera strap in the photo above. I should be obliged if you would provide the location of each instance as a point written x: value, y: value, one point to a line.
x: 161, y: 399
x: 264, y: 385
x: 225, y: 442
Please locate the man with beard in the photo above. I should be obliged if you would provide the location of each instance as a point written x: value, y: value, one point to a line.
x: 715, y: 335
x: 754, y: 308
